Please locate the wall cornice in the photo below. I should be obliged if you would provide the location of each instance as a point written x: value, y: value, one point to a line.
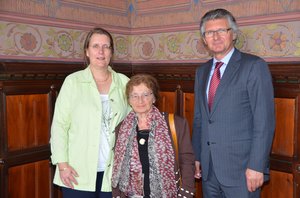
x: 59, y: 23
x: 46, y: 21
x: 275, y: 18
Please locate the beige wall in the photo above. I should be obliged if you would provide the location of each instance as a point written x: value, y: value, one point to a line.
x: 144, y: 30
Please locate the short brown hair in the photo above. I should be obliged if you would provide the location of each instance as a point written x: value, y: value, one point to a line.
x: 149, y: 81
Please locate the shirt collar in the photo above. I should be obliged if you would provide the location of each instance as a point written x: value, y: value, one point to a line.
x: 226, y: 59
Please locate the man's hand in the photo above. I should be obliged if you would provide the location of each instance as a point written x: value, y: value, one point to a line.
x: 254, y: 179
x: 197, y: 170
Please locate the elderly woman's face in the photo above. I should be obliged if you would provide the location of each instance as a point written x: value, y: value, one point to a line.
x: 141, y: 99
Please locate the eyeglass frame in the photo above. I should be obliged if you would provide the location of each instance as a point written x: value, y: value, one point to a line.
x: 220, y: 32
x: 143, y: 96
x: 104, y: 47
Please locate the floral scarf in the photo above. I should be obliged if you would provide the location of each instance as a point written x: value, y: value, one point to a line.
x: 127, y: 170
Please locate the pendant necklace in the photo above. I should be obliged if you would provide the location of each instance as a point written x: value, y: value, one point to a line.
x: 143, y: 136
x: 142, y: 141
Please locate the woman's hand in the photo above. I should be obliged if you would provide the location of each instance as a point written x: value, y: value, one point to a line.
x: 67, y: 174
x: 197, y: 170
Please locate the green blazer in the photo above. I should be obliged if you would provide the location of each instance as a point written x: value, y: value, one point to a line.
x: 76, y: 126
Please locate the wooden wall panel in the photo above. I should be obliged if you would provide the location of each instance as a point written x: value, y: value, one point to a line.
x: 166, y: 103
x: 198, y: 185
x: 29, y: 180
x: 27, y: 97
x: 280, y: 185
x: 22, y: 83
x: 188, y: 106
x: 27, y: 121
x: 283, y: 143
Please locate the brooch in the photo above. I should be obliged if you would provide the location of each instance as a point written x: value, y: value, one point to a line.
x: 142, y: 141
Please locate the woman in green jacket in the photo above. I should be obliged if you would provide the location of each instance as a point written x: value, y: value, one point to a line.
x: 90, y: 104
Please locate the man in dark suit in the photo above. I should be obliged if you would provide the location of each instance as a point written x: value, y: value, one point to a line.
x: 234, y: 117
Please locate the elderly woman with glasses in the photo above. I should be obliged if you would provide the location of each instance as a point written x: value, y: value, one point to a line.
x: 145, y: 162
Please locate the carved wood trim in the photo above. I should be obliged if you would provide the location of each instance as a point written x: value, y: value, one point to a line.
x: 285, y: 74
x: 172, y: 74
x: 12, y: 71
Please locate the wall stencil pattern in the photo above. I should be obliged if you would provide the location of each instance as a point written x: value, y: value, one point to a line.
x: 271, y: 41
x: 42, y: 42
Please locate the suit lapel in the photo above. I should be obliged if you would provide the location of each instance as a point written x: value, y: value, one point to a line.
x: 231, y: 69
x: 204, y: 85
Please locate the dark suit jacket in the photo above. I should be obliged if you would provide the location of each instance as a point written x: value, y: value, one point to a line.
x: 238, y: 132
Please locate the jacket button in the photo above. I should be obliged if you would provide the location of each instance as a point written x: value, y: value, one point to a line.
x: 208, y: 143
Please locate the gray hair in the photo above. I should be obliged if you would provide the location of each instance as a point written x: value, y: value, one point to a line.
x: 218, y: 14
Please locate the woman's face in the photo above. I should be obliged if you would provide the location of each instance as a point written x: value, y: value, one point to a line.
x: 141, y: 99
x: 99, y: 51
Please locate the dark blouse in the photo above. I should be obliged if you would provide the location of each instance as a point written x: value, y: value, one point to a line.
x: 142, y: 138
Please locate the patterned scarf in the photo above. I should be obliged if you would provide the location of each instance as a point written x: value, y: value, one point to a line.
x: 127, y: 169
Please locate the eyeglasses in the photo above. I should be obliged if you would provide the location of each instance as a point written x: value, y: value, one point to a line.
x: 144, y: 96
x: 220, y: 32
x: 104, y: 47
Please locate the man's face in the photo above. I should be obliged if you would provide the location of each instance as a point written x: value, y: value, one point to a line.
x: 218, y: 37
